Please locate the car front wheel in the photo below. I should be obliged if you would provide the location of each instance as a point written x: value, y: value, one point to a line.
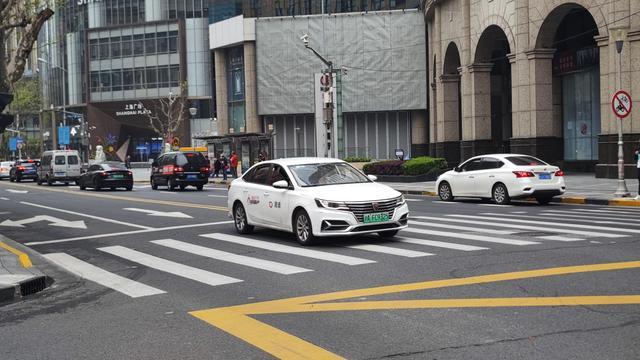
x: 240, y: 220
x: 500, y: 194
x: 302, y: 228
x: 444, y: 191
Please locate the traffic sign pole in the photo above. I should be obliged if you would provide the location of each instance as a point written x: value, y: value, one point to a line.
x: 621, y: 105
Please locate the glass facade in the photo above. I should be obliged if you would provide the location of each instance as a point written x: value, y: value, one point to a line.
x: 235, y: 88
x: 581, y: 114
x: 133, y: 45
x: 225, y: 9
x: 123, y: 12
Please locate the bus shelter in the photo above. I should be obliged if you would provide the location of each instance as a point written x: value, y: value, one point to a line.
x: 248, y: 147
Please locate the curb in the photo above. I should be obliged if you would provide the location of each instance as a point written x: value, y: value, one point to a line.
x: 35, y: 283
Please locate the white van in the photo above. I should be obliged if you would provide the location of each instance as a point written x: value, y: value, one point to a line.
x: 59, y: 165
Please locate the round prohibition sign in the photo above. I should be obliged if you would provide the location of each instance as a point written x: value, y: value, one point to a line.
x: 621, y: 104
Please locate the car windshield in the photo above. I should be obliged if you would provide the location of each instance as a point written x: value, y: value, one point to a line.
x: 327, y: 174
x: 525, y: 161
x: 28, y: 164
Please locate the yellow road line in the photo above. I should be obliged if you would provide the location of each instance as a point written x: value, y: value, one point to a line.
x: 126, y: 198
x: 22, y: 257
x: 235, y: 320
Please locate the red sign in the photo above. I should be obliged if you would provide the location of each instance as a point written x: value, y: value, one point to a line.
x: 621, y: 104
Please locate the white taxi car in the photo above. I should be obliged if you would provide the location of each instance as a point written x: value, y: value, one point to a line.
x: 502, y: 177
x: 5, y: 169
x: 314, y: 197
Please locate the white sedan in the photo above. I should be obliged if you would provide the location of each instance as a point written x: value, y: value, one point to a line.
x: 502, y: 177
x: 314, y: 197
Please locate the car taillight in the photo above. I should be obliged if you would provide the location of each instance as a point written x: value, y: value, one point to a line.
x: 129, y: 173
x: 104, y: 174
x: 21, y: 168
x: 523, y: 174
x: 559, y: 173
x: 177, y: 169
x: 204, y: 169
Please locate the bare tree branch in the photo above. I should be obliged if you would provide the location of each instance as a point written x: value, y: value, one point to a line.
x: 168, y: 114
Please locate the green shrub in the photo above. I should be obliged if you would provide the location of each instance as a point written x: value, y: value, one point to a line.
x: 389, y: 167
x: 423, y: 165
x: 357, y: 159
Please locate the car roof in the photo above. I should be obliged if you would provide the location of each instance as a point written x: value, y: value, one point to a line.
x: 501, y: 156
x: 303, y: 160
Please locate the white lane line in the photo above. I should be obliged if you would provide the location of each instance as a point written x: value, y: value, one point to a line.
x: 470, y: 237
x: 261, y: 264
x: 619, y: 212
x: 88, y: 216
x: 390, y: 250
x: 602, y: 228
x: 446, y: 202
x: 518, y: 212
x: 17, y: 191
x: 412, y: 200
x: 589, y: 219
x: 547, y: 223
x: 496, y: 205
x: 185, y: 271
x: 217, y: 188
x: 533, y: 228
x: 458, y: 227
x: 218, y: 196
x: 4, y: 198
x: 558, y: 238
x: 123, y: 233
x: 440, y: 244
x: 314, y: 254
x: 102, y: 277
x: 141, y: 186
x: 589, y: 216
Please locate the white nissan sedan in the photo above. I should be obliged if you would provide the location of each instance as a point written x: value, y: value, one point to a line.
x: 314, y: 197
x: 502, y: 177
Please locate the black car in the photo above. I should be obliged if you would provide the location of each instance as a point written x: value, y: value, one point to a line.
x: 180, y: 169
x: 110, y: 175
x: 24, y: 169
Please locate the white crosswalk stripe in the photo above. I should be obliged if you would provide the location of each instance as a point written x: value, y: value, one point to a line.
x: 458, y: 227
x: 558, y: 238
x: 545, y: 223
x: 470, y: 237
x: 390, y: 250
x: 267, y: 265
x: 265, y: 245
x: 589, y: 216
x: 617, y: 212
x: 587, y: 219
x: 529, y: 227
x: 189, y: 272
x: 440, y: 244
x: 102, y: 277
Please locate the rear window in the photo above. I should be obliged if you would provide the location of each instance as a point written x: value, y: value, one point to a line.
x: 114, y: 166
x: 73, y: 160
x: 29, y: 165
x: 525, y: 161
x: 194, y: 159
x: 60, y: 160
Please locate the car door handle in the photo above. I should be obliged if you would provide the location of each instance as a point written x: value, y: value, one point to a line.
x: 492, y: 176
x: 471, y: 177
x: 266, y: 194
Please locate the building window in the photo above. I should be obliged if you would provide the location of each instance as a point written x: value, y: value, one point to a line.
x: 138, y: 44
x: 163, y: 76
x: 116, y: 79
x: 150, y: 43
x: 126, y: 46
x: 152, y: 77
x: 163, y: 42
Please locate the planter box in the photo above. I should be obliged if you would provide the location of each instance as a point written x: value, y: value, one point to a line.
x: 410, y: 178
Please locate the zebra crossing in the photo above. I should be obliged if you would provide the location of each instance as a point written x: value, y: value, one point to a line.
x: 427, y: 236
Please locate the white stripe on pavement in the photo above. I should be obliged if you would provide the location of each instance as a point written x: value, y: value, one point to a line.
x: 218, y: 196
x: 314, y: 254
x: 588, y: 219
x: 547, y: 223
x: 589, y: 215
x: 414, y: 200
x: 496, y: 205
x: 440, y: 244
x: 618, y: 212
x: 458, y: 227
x: 203, y: 276
x: 470, y: 237
x: 102, y: 277
x: 87, y: 216
x: 390, y: 250
x: 533, y: 228
x: 446, y: 202
x: 267, y: 265
x: 558, y: 238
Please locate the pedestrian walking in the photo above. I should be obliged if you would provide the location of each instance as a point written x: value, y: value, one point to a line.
x: 217, y: 165
x: 225, y: 167
x: 636, y: 157
x: 261, y: 157
x: 127, y: 162
x: 233, y: 162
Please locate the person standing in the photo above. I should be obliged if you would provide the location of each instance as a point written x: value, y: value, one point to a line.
x: 233, y: 162
x: 217, y: 164
x: 127, y: 162
x: 225, y: 167
x: 636, y: 157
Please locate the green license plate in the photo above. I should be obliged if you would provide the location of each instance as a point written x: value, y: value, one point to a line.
x: 117, y: 176
x: 375, y: 218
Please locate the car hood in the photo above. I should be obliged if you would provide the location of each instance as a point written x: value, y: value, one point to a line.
x: 352, y: 192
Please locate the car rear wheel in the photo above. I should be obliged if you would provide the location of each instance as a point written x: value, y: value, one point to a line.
x: 444, y: 191
x: 182, y: 187
x: 500, y: 194
x: 82, y: 186
x: 240, y: 220
x: 199, y: 187
x: 154, y: 186
x: 388, y: 234
x: 96, y: 186
x: 543, y: 200
x: 302, y: 228
x: 129, y: 188
x: 171, y: 184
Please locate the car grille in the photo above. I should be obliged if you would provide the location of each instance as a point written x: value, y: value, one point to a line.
x: 360, y: 208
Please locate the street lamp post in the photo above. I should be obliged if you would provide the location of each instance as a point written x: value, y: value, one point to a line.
x: 622, y: 190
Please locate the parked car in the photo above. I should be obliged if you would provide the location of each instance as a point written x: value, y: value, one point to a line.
x: 110, y: 175
x: 22, y: 170
x: 502, y: 177
x: 315, y: 197
x: 5, y: 169
x: 59, y: 165
x: 180, y: 169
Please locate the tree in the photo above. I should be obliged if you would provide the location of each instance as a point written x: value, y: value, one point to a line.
x: 23, y: 20
x: 168, y: 114
x: 26, y: 97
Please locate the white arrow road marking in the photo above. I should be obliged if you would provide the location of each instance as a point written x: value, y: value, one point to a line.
x: 4, y: 198
x: 171, y: 214
x: 217, y: 196
x: 17, y: 191
x: 53, y: 222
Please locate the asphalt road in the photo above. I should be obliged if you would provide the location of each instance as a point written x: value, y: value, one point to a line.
x: 472, y: 291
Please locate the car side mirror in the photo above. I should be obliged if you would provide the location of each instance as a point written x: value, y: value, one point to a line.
x: 456, y: 169
x: 281, y: 184
x: 372, y: 177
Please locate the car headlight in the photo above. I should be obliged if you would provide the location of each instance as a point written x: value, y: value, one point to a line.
x: 400, y: 200
x: 335, y: 205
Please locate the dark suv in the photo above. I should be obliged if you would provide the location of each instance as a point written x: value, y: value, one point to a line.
x: 180, y: 169
x: 24, y: 169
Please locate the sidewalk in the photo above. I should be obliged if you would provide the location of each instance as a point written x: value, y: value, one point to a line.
x: 581, y: 188
x: 18, y: 276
